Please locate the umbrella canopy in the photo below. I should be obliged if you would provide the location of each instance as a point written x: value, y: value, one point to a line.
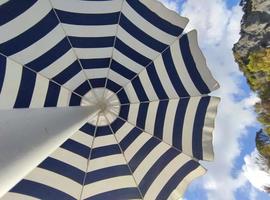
x: 102, y: 99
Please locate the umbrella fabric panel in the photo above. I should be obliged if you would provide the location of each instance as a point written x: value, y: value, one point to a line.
x: 36, y: 39
x: 180, y: 71
x: 23, y: 88
x: 186, y: 124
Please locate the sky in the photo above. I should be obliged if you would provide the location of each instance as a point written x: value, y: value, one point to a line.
x: 218, y: 26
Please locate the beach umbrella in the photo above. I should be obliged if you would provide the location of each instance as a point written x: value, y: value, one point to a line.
x: 101, y: 99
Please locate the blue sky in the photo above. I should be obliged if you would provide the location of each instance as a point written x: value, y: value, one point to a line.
x: 218, y: 25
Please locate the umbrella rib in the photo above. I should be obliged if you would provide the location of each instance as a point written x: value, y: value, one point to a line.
x: 195, y: 159
x: 74, y: 52
x: 25, y: 66
x: 131, y: 173
x: 89, y: 157
x: 110, y: 63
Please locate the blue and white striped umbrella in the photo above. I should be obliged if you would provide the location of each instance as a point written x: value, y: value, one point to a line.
x: 101, y: 99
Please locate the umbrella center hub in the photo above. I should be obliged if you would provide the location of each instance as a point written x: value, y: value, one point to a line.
x: 106, y: 101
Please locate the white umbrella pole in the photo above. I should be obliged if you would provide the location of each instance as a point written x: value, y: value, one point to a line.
x: 28, y: 136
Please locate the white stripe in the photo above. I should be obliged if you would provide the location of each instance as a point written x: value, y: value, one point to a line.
x: 102, y: 141
x: 88, y: 6
x: 169, y: 121
x: 106, y: 161
x: 188, y: 125
x: 56, y: 181
x: 24, y: 21
x: 59, y: 65
x: 75, y: 81
x: 200, y: 61
x: 151, y: 117
x: 164, y: 78
x: 130, y: 91
x: 63, y: 98
x: 146, y: 26
x: 40, y: 92
x: 108, y: 185
x: 182, y: 69
x: 17, y: 196
x: 40, y: 47
x: 70, y: 158
x: 11, y: 84
x: 147, y: 86
x: 88, y: 53
x: 149, y: 161
x: 165, y: 13
x: 82, y: 138
x: 135, y: 44
x: 164, y: 176
x: 123, y: 131
x: 133, y: 113
x: 89, y: 31
x: 127, y: 62
x: 96, y: 73
x: 181, y: 188
x: 117, y: 78
x: 136, y: 145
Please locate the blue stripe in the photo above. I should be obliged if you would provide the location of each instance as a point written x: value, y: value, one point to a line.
x: 75, y: 100
x: 176, y: 179
x: 12, y: 9
x: 52, y: 95
x: 103, y: 130
x: 105, y: 151
x: 131, y: 53
x: 179, y: 122
x: 30, y: 36
x: 68, y: 73
x: 154, y: 171
x: 120, y: 194
x: 124, y: 111
x: 2, y: 71
x: 142, y: 114
x: 40, y: 191
x: 106, y: 173
x: 138, y: 158
x: 154, y: 19
x: 131, y: 136
x: 122, y: 70
x: 26, y: 89
x: 63, y: 169
x: 113, y: 86
x: 191, y: 65
x: 50, y: 56
x: 88, y: 129
x: 117, y: 124
x: 155, y: 80
x: 83, y: 88
x: 97, y: 82
x: 87, y: 19
x: 76, y: 148
x: 198, y: 125
x: 138, y: 87
x: 94, y: 42
x: 141, y: 35
x: 160, y: 119
x: 122, y: 96
x: 95, y: 63
x: 172, y: 72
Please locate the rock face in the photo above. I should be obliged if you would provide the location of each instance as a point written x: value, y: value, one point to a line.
x: 255, y: 29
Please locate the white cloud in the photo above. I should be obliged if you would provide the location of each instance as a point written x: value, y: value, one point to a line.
x: 171, y: 4
x: 255, y: 170
x: 218, y: 28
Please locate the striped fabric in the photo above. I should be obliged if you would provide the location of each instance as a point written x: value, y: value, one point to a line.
x: 132, y: 60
